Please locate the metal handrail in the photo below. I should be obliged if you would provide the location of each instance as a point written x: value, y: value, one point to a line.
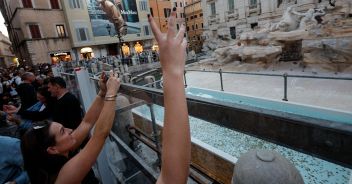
x: 284, y: 75
x: 275, y: 75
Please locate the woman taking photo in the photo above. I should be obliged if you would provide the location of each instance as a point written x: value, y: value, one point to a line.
x: 47, y: 148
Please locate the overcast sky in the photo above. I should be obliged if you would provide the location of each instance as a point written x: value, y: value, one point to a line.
x: 2, y: 25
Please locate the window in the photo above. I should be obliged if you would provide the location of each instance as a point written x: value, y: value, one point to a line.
x: 151, y: 12
x: 279, y: 2
x: 201, y: 14
x: 27, y: 3
x: 253, y: 3
x: 60, y: 31
x: 75, y: 4
x: 82, y: 34
x: 180, y: 4
x: 196, y: 26
x: 146, y: 30
x: 187, y: 28
x: 191, y: 17
x: 54, y: 4
x: 192, y: 27
x: 167, y: 12
x: 231, y: 5
x: 202, y: 25
x: 175, y: 4
x: 186, y: 19
x: 195, y: 16
x: 212, y: 8
x: 233, y: 32
x: 35, y: 32
x: 143, y: 5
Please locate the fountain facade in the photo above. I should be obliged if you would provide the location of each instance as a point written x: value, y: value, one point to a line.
x: 315, y: 35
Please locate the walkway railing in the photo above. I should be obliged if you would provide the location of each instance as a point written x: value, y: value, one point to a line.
x: 285, y: 76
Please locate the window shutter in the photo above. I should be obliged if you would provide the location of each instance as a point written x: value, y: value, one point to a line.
x: 78, y: 35
x: 87, y: 35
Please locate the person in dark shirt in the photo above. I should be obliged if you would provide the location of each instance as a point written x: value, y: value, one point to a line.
x: 66, y: 109
x: 26, y: 91
x: 40, y: 111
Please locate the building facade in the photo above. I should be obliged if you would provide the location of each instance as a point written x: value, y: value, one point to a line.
x: 160, y: 10
x: 194, y: 24
x: 6, y: 56
x: 230, y: 18
x: 92, y: 37
x: 37, y: 30
x: 180, y: 11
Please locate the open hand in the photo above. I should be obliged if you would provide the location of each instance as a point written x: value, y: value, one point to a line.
x: 172, y: 46
x: 113, y: 84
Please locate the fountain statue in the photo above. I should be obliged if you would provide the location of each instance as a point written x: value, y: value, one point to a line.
x: 293, y: 20
x: 113, y: 13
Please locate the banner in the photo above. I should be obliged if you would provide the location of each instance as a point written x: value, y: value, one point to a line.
x: 100, y: 21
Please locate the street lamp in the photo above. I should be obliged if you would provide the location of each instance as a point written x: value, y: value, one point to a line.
x: 108, y: 27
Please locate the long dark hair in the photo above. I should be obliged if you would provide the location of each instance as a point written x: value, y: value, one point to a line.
x: 42, y: 167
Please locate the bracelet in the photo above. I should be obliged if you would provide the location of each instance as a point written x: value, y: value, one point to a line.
x: 110, y: 99
x: 111, y: 96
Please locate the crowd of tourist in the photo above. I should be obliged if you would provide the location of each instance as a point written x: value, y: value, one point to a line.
x: 29, y: 94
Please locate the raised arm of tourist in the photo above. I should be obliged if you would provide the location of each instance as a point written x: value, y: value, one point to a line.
x: 77, y: 167
x: 176, y: 145
x: 92, y: 114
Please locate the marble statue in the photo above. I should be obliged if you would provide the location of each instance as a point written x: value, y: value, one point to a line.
x: 113, y: 13
x: 288, y: 22
x: 293, y: 20
x: 309, y: 17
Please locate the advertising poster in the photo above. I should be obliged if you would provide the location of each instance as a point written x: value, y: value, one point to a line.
x: 100, y: 21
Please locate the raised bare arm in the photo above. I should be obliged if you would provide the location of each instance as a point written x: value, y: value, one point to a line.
x: 76, y: 168
x: 176, y: 145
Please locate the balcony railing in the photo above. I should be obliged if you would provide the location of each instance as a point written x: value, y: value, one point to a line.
x: 214, y: 19
x: 231, y: 15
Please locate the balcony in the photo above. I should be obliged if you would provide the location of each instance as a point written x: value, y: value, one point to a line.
x: 231, y: 15
x: 214, y: 19
x: 253, y: 10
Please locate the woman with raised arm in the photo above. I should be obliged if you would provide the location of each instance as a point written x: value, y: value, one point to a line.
x: 48, y: 148
x: 176, y: 145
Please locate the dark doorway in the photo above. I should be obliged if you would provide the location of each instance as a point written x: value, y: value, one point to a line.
x: 112, y: 49
x: 254, y: 25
